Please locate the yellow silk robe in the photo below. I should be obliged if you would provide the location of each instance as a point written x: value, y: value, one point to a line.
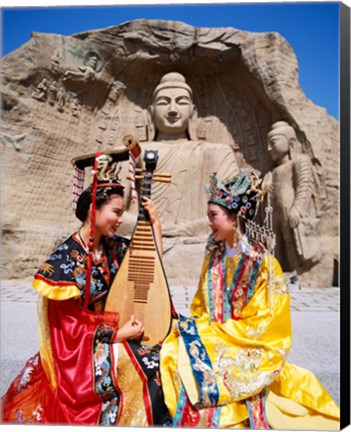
x: 226, y: 365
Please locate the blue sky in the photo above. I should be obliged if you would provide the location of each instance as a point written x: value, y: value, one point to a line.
x: 311, y: 28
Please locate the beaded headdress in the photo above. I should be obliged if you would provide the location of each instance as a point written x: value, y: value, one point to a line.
x: 242, y: 195
x: 106, y: 169
x: 239, y: 194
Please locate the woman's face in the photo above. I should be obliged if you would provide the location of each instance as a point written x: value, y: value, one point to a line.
x: 221, y: 223
x: 108, y: 218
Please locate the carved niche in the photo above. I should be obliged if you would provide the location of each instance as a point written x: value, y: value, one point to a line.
x: 66, y: 96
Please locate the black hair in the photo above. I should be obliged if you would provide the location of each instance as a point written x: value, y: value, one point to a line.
x: 232, y: 212
x: 103, y: 195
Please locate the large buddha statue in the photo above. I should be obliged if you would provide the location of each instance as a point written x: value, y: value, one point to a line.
x: 182, y: 203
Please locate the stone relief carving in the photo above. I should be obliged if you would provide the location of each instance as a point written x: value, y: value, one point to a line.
x: 75, y: 107
x: 52, y: 93
x: 55, y: 63
x: 87, y: 73
x: 59, y: 91
x: 16, y: 142
x: 108, y: 111
x: 61, y: 98
x: 41, y: 91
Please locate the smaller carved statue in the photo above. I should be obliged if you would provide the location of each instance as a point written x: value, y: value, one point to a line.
x: 61, y: 98
x: 86, y: 73
x: 41, y: 91
x: 55, y: 63
x: 75, y: 107
x: 52, y: 93
x: 293, y: 188
x: 116, y: 90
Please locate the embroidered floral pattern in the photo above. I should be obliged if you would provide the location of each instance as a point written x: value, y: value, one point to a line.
x: 281, y: 286
x: 46, y: 269
x: 37, y: 416
x: 103, y: 381
x: 256, y: 333
x: 228, y: 298
x: 200, y: 362
x: 187, y: 415
x: 242, y: 375
x: 27, y: 372
x: 68, y: 265
x: 109, y: 412
x: 150, y: 364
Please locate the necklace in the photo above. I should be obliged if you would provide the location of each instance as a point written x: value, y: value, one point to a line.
x: 97, y: 254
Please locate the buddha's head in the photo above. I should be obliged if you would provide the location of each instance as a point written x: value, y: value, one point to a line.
x: 282, y: 142
x: 172, y: 108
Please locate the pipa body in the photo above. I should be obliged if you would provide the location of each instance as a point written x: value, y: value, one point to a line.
x: 140, y: 287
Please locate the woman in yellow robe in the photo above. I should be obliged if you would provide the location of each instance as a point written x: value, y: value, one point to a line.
x: 225, y: 366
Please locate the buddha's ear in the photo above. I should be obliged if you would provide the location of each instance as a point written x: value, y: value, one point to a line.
x: 293, y: 147
x: 192, y: 126
x: 151, y: 129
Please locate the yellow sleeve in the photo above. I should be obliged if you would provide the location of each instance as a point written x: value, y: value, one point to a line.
x: 198, y: 305
x: 57, y: 291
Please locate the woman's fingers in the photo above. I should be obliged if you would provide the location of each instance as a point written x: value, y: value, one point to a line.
x: 151, y: 209
x: 137, y: 325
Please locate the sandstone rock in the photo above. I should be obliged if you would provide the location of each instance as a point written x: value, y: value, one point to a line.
x: 66, y: 96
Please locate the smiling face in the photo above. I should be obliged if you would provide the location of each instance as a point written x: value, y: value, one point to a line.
x: 222, y: 223
x: 172, y: 110
x: 108, y: 217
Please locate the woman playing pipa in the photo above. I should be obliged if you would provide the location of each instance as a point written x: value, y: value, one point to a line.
x: 91, y: 369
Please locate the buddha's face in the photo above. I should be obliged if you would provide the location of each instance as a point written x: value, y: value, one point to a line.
x: 278, y: 147
x: 172, y: 110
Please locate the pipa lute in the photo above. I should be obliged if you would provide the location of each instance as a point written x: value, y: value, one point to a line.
x: 140, y: 287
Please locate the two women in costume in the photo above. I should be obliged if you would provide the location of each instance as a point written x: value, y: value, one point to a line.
x: 224, y: 366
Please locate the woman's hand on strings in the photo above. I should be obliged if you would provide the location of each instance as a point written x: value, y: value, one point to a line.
x: 150, y: 207
x: 131, y: 330
x: 155, y: 222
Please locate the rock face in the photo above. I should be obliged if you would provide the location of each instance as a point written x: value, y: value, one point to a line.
x: 67, y: 96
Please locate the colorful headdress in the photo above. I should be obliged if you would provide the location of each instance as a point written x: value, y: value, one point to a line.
x: 106, y: 169
x: 239, y: 194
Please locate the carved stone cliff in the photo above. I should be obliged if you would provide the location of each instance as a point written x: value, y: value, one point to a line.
x: 66, y: 96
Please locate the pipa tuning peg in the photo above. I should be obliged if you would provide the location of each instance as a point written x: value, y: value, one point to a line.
x: 157, y: 177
